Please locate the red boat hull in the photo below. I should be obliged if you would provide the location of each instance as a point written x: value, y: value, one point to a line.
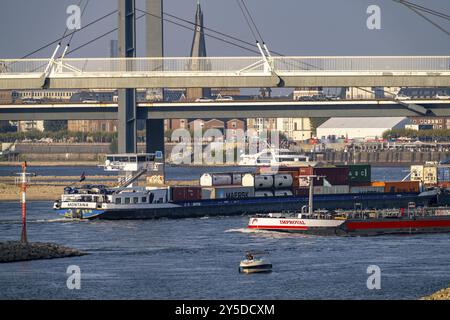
x: 397, y: 226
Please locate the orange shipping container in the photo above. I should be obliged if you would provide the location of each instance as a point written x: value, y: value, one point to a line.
x: 402, y: 186
x: 378, y: 184
x: 306, y: 171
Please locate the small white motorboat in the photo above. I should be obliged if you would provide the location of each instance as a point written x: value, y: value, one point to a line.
x: 253, y: 265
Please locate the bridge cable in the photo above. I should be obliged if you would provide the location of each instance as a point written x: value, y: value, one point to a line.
x: 67, y: 35
x: 224, y: 35
x: 206, y: 34
x: 424, y: 9
x: 82, y: 13
x: 98, y: 37
x: 416, y: 9
x: 67, y: 29
x: 253, y: 21
x: 247, y: 20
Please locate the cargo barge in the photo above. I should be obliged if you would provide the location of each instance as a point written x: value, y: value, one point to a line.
x: 225, y: 194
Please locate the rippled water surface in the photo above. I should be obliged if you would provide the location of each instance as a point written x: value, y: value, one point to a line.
x: 199, y: 258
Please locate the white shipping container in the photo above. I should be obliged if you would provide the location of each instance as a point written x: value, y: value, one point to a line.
x: 283, y: 193
x: 263, y: 193
x: 248, y: 180
x: 281, y: 181
x: 303, y: 182
x: 429, y: 175
x: 416, y: 173
x: 263, y: 181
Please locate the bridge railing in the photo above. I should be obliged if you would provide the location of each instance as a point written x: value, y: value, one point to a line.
x: 236, y: 65
x: 362, y: 64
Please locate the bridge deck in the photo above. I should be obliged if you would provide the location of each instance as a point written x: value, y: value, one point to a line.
x: 116, y: 73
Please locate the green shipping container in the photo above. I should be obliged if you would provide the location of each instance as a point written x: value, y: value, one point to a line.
x: 359, y: 173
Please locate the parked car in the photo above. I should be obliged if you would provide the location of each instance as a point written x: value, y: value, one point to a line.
x: 442, y: 97
x: 402, y: 97
x: 89, y: 100
x: 225, y: 98
x: 204, y: 100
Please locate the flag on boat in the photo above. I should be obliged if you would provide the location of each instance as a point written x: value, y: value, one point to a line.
x: 82, y: 177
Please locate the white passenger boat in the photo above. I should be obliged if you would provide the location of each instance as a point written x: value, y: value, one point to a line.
x: 275, y: 157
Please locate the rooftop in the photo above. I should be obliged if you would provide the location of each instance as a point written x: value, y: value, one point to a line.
x: 364, y: 122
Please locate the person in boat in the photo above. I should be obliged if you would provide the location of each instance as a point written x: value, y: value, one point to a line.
x: 249, y: 256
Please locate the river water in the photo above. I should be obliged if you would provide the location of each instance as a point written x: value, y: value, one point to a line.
x: 199, y: 258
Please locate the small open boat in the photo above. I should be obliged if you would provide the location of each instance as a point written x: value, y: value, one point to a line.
x: 252, y: 264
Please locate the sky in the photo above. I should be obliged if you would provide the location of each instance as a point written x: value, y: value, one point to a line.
x: 290, y: 27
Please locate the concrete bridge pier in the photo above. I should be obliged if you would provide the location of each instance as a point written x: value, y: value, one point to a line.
x: 127, y: 108
x: 155, y: 49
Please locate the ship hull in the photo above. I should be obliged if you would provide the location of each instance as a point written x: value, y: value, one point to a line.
x: 265, y: 205
x: 417, y: 225
x: 354, y: 227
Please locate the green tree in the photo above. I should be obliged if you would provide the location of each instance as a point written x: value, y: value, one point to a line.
x: 114, y: 145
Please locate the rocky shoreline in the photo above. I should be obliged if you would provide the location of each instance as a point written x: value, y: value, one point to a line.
x: 13, y: 251
x: 443, y: 294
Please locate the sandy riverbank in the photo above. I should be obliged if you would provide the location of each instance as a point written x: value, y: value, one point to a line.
x: 48, y: 189
x: 443, y: 294
x: 51, y: 163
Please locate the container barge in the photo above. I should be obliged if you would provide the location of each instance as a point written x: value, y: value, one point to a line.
x: 224, y: 194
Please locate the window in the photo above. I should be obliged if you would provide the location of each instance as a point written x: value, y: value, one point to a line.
x: 127, y: 200
x: 144, y: 199
x: 151, y: 197
x: 135, y: 199
x: 118, y: 200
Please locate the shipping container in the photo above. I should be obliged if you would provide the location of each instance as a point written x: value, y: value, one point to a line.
x: 283, y: 193
x: 430, y: 175
x: 186, y: 193
x: 300, y: 192
x: 263, y: 193
x: 263, y: 181
x: 443, y: 174
x: 237, y: 178
x: 332, y: 190
x: 248, y: 180
x: 361, y: 184
x: 302, y: 182
x: 209, y: 180
x: 306, y: 171
x: 416, y: 173
x: 358, y: 173
x: 282, y: 181
x: 378, y: 184
x: 366, y: 189
x: 208, y: 193
x: 267, y: 170
x: 234, y: 192
x: 334, y: 175
x: 402, y: 186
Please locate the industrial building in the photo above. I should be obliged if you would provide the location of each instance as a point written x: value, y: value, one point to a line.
x: 359, y: 128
